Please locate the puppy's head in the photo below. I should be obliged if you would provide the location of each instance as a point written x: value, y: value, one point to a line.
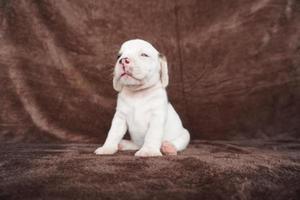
x: 139, y: 65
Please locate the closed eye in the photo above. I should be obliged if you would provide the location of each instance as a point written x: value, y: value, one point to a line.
x: 119, y: 55
x: 144, y: 55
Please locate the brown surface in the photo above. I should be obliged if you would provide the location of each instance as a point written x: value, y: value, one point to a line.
x: 206, y: 170
x: 234, y: 69
x: 234, y: 65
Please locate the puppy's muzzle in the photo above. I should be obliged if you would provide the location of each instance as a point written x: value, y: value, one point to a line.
x: 124, y: 61
x: 126, y: 68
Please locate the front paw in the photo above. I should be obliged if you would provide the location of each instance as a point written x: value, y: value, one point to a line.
x: 148, y: 152
x: 106, y: 150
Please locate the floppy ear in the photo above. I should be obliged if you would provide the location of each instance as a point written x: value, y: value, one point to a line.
x: 116, y: 84
x: 164, y: 76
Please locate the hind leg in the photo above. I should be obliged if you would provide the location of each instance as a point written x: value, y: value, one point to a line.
x: 168, y: 148
x: 178, y: 144
x: 127, y: 145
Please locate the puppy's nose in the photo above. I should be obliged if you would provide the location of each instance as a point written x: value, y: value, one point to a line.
x: 124, y: 61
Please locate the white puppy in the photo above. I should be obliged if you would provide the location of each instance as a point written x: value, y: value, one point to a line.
x: 140, y: 77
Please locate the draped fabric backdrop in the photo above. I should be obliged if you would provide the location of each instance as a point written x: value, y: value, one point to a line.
x: 234, y: 65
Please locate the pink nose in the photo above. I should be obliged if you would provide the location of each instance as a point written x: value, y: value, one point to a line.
x: 124, y: 61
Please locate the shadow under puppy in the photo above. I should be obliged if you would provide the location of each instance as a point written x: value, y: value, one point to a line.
x: 140, y: 77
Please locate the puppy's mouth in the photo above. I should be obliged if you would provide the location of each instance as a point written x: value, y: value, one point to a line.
x: 124, y: 74
x: 128, y: 74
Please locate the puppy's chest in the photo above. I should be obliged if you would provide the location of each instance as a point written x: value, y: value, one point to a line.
x: 138, y: 117
x: 138, y: 110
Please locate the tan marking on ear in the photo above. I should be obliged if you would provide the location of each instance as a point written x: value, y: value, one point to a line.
x: 164, y: 76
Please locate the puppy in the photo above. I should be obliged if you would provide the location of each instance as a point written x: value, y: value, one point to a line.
x: 140, y: 77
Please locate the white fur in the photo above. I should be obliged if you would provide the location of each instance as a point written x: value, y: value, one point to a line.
x: 142, y: 106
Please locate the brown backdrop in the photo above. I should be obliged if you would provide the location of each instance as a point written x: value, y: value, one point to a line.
x: 234, y: 65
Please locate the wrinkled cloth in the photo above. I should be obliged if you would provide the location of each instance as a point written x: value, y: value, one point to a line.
x: 268, y: 170
x: 234, y: 66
